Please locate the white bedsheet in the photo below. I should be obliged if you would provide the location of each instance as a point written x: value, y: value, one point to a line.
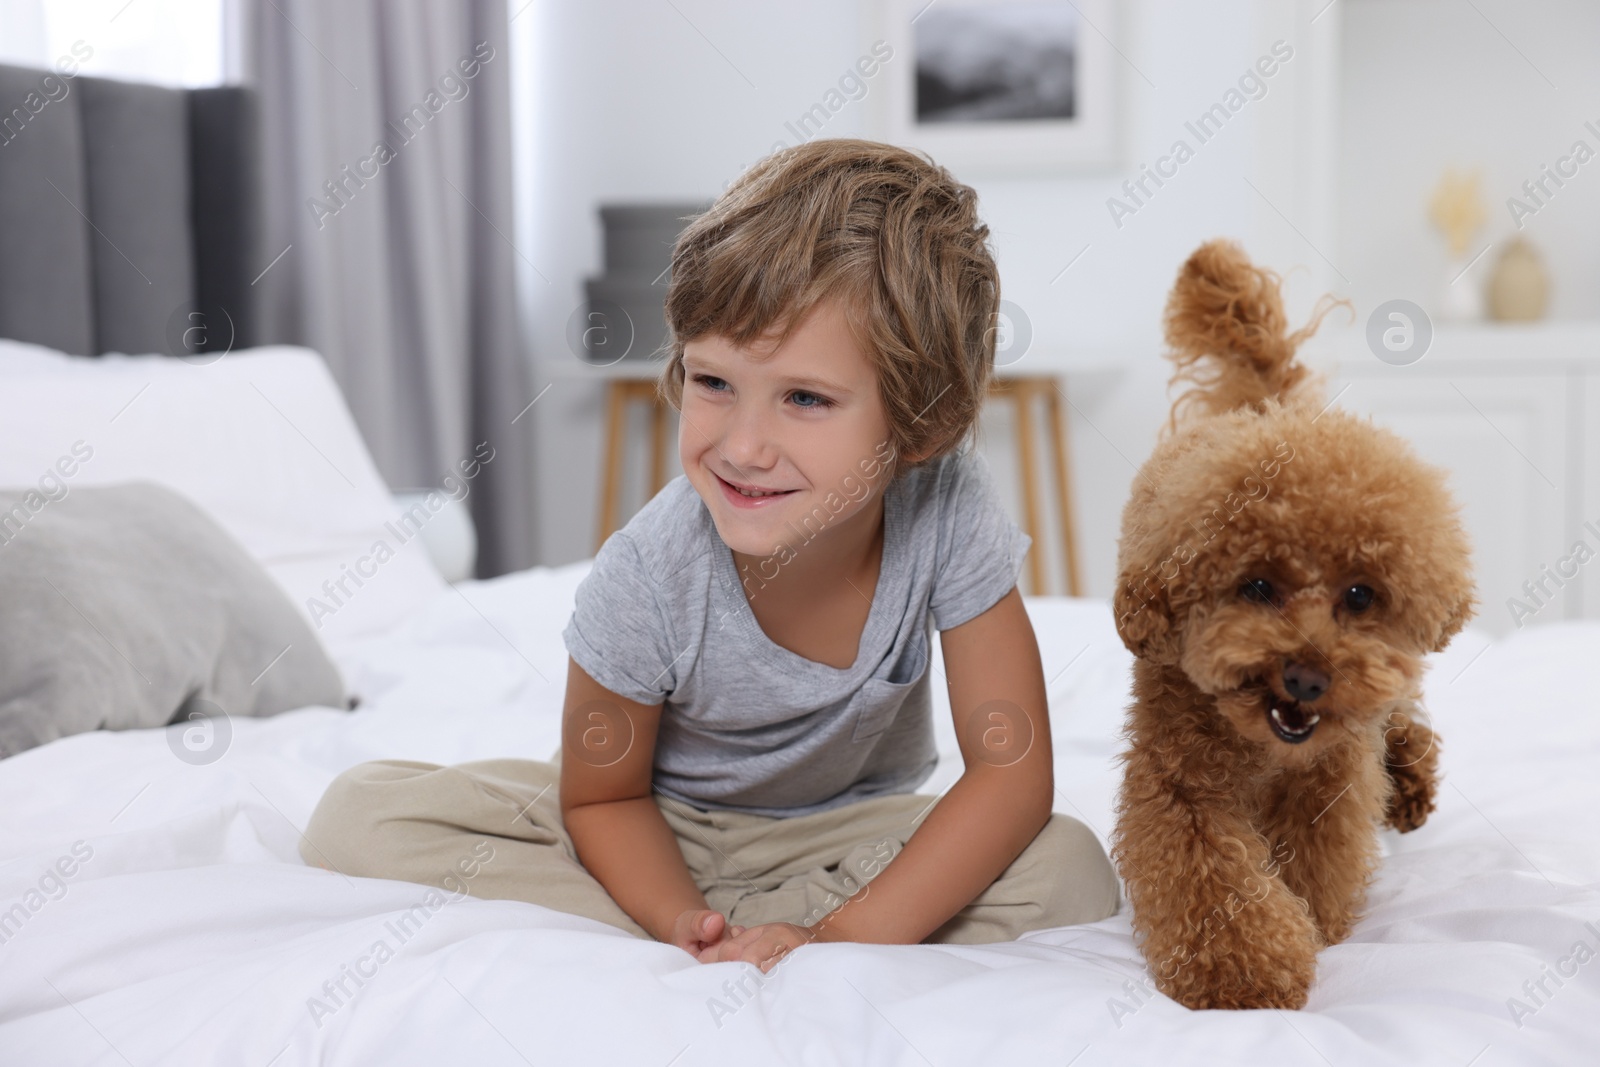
x: 194, y: 934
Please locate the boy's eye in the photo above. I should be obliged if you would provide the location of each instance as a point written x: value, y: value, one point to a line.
x: 815, y: 402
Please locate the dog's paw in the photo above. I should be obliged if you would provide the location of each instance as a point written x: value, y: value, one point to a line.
x: 1265, y: 956
x: 1408, y: 809
x: 1415, y: 784
x: 1411, y: 756
x: 1242, y: 983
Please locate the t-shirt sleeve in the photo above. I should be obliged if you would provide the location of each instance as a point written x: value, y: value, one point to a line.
x: 980, y: 548
x: 619, y: 633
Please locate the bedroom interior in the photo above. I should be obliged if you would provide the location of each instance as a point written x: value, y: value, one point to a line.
x: 328, y: 344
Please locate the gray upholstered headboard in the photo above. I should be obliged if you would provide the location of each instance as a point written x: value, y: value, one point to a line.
x: 125, y: 210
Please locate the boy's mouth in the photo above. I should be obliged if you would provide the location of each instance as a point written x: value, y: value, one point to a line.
x: 749, y: 498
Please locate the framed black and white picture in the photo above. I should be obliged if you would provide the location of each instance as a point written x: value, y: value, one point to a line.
x: 1001, y: 87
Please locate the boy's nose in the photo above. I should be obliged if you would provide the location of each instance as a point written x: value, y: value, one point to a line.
x: 746, y: 445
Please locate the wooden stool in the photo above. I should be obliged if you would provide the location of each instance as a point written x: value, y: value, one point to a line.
x: 1022, y: 391
x: 620, y: 392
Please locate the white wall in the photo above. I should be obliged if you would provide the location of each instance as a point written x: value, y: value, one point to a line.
x: 1502, y: 85
x: 169, y: 42
x: 22, y: 36
x: 632, y: 101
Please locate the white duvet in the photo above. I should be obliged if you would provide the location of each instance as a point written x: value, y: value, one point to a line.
x: 158, y: 911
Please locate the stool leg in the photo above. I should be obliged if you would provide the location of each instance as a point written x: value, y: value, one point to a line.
x: 1069, y: 523
x: 616, y: 411
x: 658, y: 438
x: 1023, y: 393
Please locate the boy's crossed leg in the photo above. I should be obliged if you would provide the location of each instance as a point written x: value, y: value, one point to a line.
x: 426, y: 823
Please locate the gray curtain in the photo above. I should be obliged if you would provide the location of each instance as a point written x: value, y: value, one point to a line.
x: 387, y: 146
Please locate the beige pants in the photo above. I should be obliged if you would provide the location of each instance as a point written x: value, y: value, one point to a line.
x: 493, y: 829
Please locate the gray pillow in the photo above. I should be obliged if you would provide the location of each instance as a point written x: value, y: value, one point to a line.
x: 127, y: 606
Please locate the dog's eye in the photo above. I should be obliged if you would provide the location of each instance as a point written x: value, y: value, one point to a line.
x: 1257, y: 589
x: 1358, y: 598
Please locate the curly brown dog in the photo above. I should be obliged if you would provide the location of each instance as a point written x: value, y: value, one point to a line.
x: 1283, y: 568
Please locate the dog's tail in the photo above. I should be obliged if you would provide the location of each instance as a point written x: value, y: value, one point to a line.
x: 1227, y: 334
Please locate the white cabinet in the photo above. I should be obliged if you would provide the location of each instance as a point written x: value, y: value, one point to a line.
x: 1513, y: 414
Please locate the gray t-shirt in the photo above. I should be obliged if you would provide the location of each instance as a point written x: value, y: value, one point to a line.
x: 746, y: 724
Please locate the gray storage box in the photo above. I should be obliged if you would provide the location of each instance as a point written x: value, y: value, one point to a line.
x: 625, y: 311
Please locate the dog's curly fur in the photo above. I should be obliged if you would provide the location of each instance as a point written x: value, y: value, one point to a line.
x: 1275, y: 721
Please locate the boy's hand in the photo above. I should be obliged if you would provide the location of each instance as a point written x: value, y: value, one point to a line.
x: 701, y: 933
x: 762, y: 945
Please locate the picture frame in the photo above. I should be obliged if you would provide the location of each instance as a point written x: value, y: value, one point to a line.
x: 1010, y: 88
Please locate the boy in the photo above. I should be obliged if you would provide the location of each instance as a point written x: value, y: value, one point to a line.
x: 747, y: 708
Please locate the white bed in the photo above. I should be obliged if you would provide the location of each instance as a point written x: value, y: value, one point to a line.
x: 193, y: 934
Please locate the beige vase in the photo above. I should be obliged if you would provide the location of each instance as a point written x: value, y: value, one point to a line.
x: 1519, y: 289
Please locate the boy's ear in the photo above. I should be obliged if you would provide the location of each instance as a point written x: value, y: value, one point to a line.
x: 902, y: 460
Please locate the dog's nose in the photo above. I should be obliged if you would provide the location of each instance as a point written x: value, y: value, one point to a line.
x: 1304, y: 683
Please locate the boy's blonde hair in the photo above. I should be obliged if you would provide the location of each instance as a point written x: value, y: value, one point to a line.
x: 888, y: 231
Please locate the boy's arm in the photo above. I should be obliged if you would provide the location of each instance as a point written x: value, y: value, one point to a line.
x: 607, y: 752
x: 997, y: 807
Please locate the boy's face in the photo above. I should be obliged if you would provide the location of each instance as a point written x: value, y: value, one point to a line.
x: 806, y: 420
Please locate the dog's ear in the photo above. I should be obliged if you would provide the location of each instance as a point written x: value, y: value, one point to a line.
x: 1144, y: 617
x: 1448, y: 600
x: 1460, y: 605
